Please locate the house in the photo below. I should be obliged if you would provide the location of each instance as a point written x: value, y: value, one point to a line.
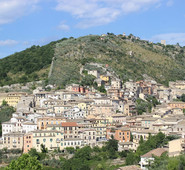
x: 174, y: 105
x: 148, y: 158
x: 89, y: 136
x: 122, y: 146
x: 121, y: 134
x: 13, y: 98
x: 119, y: 118
x: 52, y: 139
x: 177, y: 84
x: 176, y: 147
x: 13, y: 140
x: 105, y: 78
x: 28, y: 127
x: 95, y: 73
x: 148, y: 122
x: 116, y: 83
x: 28, y: 138
x: 44, y: 121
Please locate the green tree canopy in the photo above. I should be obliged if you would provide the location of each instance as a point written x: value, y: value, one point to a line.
x: 25, y: 162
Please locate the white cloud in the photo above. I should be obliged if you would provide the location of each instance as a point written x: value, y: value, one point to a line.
x: 64, y: 27
x: 8, y: 42
x: 100, y: 12
x: 10, y: 10
x: 171, y: 38
x: 169, y: 3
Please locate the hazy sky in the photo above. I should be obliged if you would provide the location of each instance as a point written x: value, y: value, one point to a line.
x: 27, y: 22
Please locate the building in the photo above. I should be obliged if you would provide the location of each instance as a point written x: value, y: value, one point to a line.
x: 13, y: 140
x: 121, y: 134
x: 163, y: 42
x: 52, y: 139
x: 94, y: 73
x: 180, y: 105
x: 176, y: 147
x: 148, y: 158
x: 44, y: 121
x: 13, y: 98
x: 28, y: 138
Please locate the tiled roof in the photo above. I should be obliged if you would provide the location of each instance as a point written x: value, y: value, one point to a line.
x: 155, y: 152
x: 67, y: 124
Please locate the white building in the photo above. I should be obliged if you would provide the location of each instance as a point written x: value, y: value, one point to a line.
x: 28, y: 127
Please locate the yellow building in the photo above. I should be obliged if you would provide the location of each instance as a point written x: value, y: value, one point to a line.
x: 13, y: 98
x: 82, y: 106
x: 105, y: 78
x: 52, y: 139
x: 2, y: 97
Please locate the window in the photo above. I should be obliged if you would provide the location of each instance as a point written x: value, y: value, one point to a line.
x: 44, y: 140
x: 61, y: 144
x: 51, y: 140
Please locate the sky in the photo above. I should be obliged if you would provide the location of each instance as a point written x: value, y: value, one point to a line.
x: 24, y: 23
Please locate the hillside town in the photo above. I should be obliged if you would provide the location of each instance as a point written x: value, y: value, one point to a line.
x: 78, y: 116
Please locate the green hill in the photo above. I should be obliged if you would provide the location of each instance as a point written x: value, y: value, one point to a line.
x: 29, y: 65
x: 129, y: 57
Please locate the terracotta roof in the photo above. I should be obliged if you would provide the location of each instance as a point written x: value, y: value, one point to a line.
x: 67, y: 124
x: 155, y: 152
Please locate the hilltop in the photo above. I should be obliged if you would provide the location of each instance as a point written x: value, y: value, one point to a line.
x: 127, y: 56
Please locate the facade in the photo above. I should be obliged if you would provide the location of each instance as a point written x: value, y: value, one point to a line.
x: 28, y: 138
x: 176, y: 147
x: 52, y: 139
x: 13, y: 98
x: 174, y: 105
x: 13, y: 140
x: 44, y: 121
x: 120, y: 134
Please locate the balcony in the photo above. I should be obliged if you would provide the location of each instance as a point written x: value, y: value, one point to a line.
x: 57, y: 140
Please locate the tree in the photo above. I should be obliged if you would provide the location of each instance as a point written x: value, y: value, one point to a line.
x: 25, y: 162
x: 112, y: 147
x: 102, y: 89
x: 70, y: 150
x: 112, y: 144
x: 33, y: 152
x: 43, y: 149
x: 4, y: 103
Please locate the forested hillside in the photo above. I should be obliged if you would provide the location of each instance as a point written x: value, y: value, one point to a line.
x: 128, y: 56
x: 29, y: 65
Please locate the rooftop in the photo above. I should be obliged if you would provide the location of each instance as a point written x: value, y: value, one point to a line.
x: 155, y: 152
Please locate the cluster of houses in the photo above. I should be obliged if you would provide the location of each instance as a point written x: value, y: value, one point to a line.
x: 78, y: 116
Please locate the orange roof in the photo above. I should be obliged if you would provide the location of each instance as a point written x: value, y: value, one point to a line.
x: 67, y: 124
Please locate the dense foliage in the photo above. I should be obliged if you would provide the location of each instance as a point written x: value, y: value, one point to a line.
x: 25, y: 66
x: 166, y: 163
x: 151, y: 143
x: 25, y: 162
x: 182, y: 98
x: 146, y: 105
x: 5, y: 114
